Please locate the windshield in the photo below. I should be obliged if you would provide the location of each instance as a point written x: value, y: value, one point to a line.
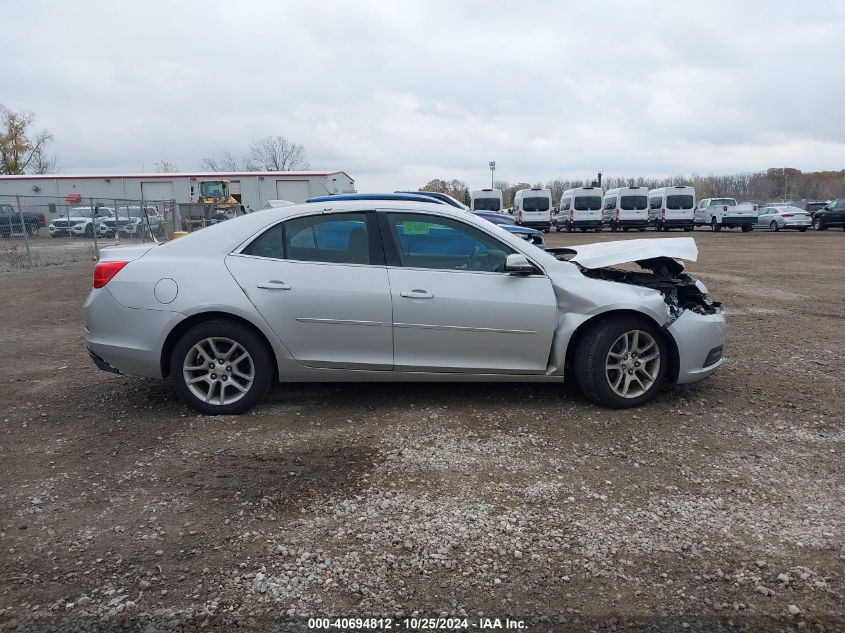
x: 85, y: 212
x: 632, y: 203
x: 486, y: 204
x: 533, y: 205
x: 215, y: 189
x: 679, y: 202
x: 587, y: 203
x: 726, y: 201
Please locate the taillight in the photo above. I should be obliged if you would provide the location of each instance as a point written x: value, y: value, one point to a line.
x: 104, y: 271
x: 572, y: 215
x: 617, y: 213
x: 663, y: 213
x: 787, y: 215
x: 43, y: 219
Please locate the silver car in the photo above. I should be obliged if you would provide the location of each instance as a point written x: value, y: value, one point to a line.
x: 397, y: 291
x: 780, y: 217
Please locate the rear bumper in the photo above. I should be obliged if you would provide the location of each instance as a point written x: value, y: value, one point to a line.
x: 536, y: 224
x: 700, y: 339
x: 739, y: 220
x: 624, y: 222
x: 675, y: 223
x: 126, y: 340
x: 584, y: 224
x: 796, y: 225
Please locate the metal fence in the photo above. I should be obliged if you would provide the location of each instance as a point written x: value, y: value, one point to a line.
x: 45, y: 230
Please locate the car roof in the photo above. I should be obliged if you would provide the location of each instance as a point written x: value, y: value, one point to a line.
x: 408, y: 197
x: 436, y: 195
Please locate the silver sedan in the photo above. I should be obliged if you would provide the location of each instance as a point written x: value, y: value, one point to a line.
x: 779, y: 217
x: 368, y: 290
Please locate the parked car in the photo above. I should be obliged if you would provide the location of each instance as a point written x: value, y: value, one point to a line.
x: 783, y: 217
x: 719, y: 213
x: 814, y: 205
x: 625, y: 208
x: 363, y: 290
x: 132, y: 221
x: 79, y: 222
x: 672, y: 208
x: 832, y: 214
x: 13, y: 222
x: 580, y: 208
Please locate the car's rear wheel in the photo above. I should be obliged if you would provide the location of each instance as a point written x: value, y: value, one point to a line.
x: 621, y: 362
x: 747, y: 228
x: 773, y: 227
x: 221, y: 368
x: 715, y: 226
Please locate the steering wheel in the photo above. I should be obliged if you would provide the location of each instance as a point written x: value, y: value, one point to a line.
x: 472, y: 257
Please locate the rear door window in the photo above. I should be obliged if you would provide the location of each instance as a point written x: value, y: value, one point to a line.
x: 587, y: 203
x: 536, y: 204
x: 338, y: 238
x: 634, y: 203
x: 676, y: 202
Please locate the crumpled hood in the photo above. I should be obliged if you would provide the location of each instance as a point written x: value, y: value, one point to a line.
x: 622, y: 251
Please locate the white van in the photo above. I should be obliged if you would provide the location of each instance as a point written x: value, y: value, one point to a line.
x: 581, y: 208
x: 626, y: 208
x: 533, y: 208
x: 489, y: 200
x: 672, y: 208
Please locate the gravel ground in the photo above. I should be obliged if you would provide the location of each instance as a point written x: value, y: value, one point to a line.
x: 716, y: 508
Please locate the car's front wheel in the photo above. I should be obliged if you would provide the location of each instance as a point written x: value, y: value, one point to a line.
x: 621, y: 362
x: 221, y: 368
x: 817, y: 225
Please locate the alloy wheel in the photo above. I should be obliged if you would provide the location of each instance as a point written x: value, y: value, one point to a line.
x: 218, y: 370
x: 632, y: 364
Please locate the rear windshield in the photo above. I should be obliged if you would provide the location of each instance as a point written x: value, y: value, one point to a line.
x: 724, y: 201
x: 587, y: 203
x: 535, y: 204
x: 631, y: 203
x: 679, y: 202
x: 486, y: 204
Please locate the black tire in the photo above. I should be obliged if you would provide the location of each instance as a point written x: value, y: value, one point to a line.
x: 747, y: 228
x: 818, y: 226
x: 715, y: 226
x: 802, y: 230
x: 89, y: 231
x: 688, y: 228
x: 261, y: 357
x: 589, y: 362
x: 569, y: 228
x: 773, y: 227
x: 614, y: 227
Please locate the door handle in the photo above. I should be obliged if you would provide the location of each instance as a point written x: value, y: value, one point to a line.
x: 273, y: 284
x: 417, y: 293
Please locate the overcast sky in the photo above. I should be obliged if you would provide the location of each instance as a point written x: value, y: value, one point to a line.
x: 397, y: 93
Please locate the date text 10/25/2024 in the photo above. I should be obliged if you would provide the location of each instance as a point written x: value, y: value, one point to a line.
x: 416, y: 624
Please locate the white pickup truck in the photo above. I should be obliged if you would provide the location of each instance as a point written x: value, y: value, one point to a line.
x: 725, y: 212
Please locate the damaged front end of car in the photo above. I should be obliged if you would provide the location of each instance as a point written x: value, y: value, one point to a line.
x: 660, y: 270
x: 680, y: 290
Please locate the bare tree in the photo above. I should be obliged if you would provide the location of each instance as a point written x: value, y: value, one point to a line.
x: 226, y: 163
x: 276, y: 153
x: 43, y: 164
x: 21, y: 151
x: 164, y: 167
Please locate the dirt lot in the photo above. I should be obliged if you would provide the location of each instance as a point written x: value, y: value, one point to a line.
x: 718, y: 507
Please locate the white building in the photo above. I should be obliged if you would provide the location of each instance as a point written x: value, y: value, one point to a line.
x: 253, y: 189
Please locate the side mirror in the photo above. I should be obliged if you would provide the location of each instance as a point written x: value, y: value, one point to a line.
x: 518, y: 264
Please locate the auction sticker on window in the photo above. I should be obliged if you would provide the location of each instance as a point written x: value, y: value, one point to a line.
x: 415, y: 228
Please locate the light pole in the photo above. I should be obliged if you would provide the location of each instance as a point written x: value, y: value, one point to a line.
x: 492, y: 169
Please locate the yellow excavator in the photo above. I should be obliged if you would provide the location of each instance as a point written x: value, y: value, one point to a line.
x: 217, y: 192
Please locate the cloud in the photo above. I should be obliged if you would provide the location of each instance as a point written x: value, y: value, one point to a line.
x: 398, y: 93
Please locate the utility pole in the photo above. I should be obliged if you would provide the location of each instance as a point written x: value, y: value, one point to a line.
x: 492, y: 169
